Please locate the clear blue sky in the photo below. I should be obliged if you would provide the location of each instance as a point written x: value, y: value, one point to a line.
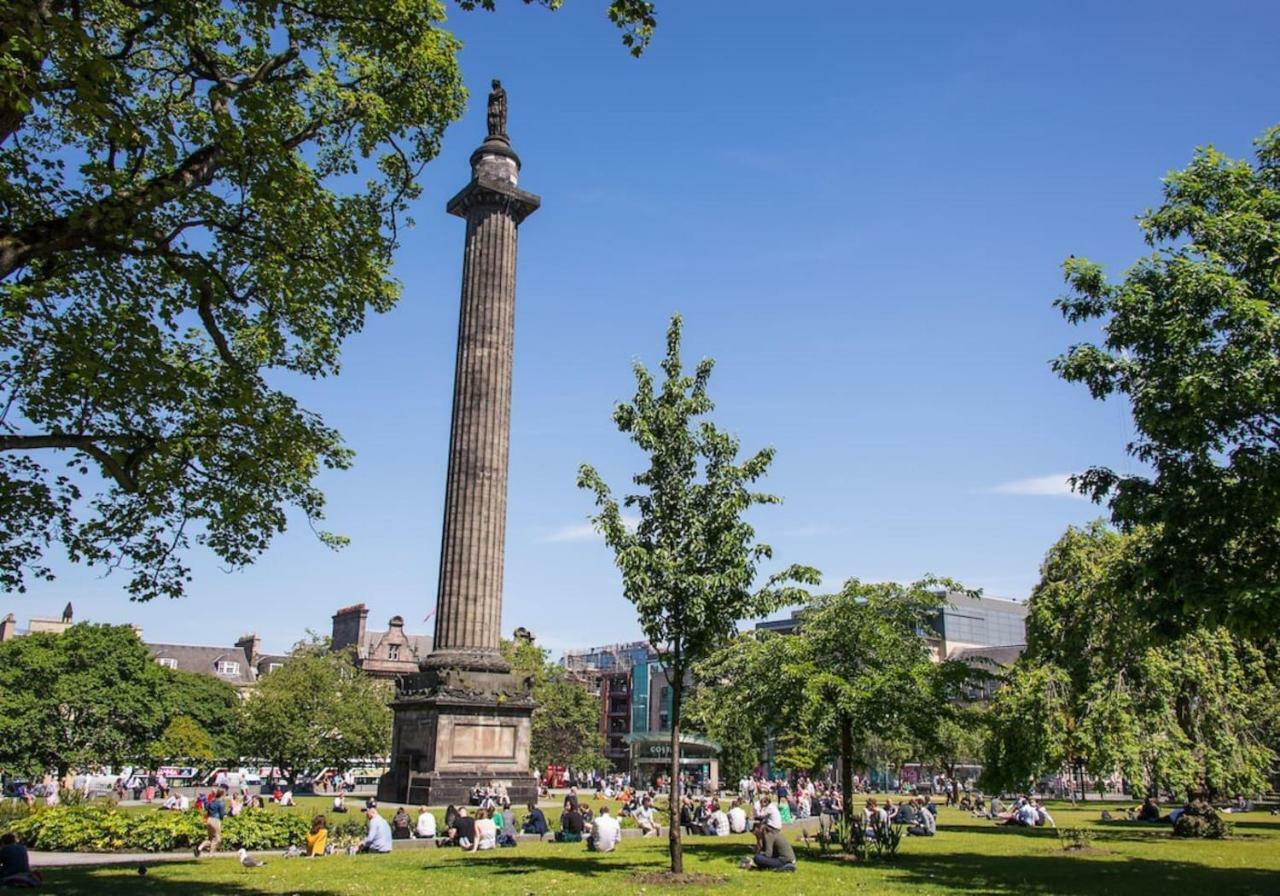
x: 860, y: 209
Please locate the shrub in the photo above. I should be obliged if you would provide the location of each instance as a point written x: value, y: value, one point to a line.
x: 1200, y: 819
x: 1074, y: 838
x: 97, y: 828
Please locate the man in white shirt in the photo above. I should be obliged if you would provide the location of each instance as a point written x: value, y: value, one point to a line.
x: 737, y: 818
x: 718, y: 824
x: 605, y: 832
x: 643, y: 814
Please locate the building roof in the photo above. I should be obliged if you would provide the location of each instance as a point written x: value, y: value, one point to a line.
x: 204, y: 660
x: 1003, y: 656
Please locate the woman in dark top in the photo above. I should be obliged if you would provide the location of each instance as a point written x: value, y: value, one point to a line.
x: 401, y: 825
x: 570, y: 827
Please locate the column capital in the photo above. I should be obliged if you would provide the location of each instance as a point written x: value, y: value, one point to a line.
x: 484, y: 192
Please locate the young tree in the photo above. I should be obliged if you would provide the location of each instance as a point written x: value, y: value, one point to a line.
x: 198, y: 199
x: 87, y: 697
x: 210, y: 703
x: 317, y: 710
x: 1192, y: 338
x: 691, y: 563
x: 183, y: 740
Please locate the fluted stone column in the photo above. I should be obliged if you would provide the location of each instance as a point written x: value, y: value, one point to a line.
x: 465, y: 718
x: 469, y: 599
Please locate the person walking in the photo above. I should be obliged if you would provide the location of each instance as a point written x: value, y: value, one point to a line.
x: 215, y: 810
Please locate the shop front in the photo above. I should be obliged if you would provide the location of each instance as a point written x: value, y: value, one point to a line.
x: 651, y: 760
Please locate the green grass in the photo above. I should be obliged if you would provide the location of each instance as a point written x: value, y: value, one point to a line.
x: 968, y: 856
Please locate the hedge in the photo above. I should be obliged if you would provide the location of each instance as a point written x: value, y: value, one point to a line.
x: 104, y: 829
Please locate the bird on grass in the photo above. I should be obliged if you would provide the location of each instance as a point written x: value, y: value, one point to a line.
x: 249, y: 861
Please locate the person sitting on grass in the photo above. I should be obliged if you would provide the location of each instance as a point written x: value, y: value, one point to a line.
x: 507, y: 833
x: 774, y: 854
x: 1150, y: 810
x: 1043, y: 818
x: 737, y: 818
x: 340, y: 804
x: 606, y: 832
x: 318, y: 839
x: 924, y: 823
x: 643, y: 814
x: 15, y: 864
x: 1024, y: 815
x: 570, y: 825
x: 486, y: 831
x: 718, y: 822
x: 426, y: 826
x: 378, y: 837
x: 463, y: 831
x: 873, y: 816
x: 535, y: 822
x: 401, y: 825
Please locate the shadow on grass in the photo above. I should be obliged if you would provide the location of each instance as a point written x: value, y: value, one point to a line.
x: 578, y: 862
x: 1059, y: 873
x: 125, y: 881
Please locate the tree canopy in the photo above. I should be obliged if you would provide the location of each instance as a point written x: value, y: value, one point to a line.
x: 316, y: 711
x: 87, y: 697
x: 199, y: 200
x: 566, y: 717
x: 691, y: 563
x: 1096, y: 693
x: 1192, y: 340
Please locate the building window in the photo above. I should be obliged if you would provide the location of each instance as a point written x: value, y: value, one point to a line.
x: 168, y: 662
x: 393, y: 652
x: 271, y: 667
x: 228, y: 667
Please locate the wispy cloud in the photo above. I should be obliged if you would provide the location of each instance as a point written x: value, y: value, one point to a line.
x: 1054, y: 485
x: 581, y: 532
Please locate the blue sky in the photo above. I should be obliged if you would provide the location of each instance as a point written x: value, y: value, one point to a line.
x: 859, y: 208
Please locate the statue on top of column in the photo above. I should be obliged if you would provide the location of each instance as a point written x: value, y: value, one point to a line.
x: 498, y: 111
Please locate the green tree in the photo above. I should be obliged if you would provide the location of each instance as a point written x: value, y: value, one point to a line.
x: 183, y: 740
x: 210, y: 703
x: 566, y: 717
x: 856, y: 682
x: 83, y: 698
x: 744, y: 694
x: 691, y: 563
x: 316, y: 711
x: 1096, y: 692
x: 199, y: 199
x: 1192, y: 340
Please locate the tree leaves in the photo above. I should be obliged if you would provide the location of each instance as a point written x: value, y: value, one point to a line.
x: 1192, y: 340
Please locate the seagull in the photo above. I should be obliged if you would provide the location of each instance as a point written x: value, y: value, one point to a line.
x: 249, y: 861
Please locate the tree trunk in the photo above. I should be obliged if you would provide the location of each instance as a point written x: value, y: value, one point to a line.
x: 846, y: 779
x: 673, y: 833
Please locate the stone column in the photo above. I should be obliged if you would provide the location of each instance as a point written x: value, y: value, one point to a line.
x: 469, y: 599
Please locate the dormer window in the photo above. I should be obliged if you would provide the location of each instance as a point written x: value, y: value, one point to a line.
x: 228, y: 667
x: 167, y: 661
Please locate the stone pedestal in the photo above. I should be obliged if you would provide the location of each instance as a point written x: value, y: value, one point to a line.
x: 455, y: 729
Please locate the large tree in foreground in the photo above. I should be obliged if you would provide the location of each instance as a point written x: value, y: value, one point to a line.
x: 199, y: 202
x: 691, y: 563
x: 1192, y: 340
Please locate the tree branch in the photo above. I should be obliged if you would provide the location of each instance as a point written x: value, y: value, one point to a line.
x: 122, y: 473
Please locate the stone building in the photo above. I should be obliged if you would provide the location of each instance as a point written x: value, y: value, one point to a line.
x: 382, y: 654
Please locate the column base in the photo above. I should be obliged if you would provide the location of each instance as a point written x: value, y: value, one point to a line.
x: 454, y: 729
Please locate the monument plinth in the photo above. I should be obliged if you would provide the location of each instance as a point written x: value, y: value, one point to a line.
x: 464, y: 718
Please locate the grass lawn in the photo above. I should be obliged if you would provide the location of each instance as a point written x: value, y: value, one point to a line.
x: 967, y: 856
